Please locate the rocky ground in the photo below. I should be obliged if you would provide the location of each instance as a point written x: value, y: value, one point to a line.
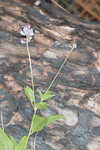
x: 76, y: 89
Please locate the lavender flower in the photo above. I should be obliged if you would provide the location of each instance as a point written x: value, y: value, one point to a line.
x: 28, y: 32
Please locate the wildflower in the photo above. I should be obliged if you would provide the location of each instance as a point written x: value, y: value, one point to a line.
x: 27, y: 31
x: 74, y: 45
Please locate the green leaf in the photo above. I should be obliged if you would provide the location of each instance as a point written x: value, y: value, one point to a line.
x: 1, y: 146
x: 45, y: 96
x: 41, y: 105
x: 54, y: 118
x: 22, y: 145
x: 38, y: 123
x: 13, y: 141
x: 29, y: 94
x: 5, y: 142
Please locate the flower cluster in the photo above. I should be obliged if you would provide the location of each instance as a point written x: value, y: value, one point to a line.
x: 27, y: 31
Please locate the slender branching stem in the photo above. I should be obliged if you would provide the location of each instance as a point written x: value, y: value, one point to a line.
x: 62, y: 65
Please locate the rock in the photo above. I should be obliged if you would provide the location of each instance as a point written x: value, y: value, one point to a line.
x: 95, y: 121
x: 60, y: 45
x: 40, y: 143
x: 4, y: 34
x: 49, y: 111
x: 84, y: 117
x: 17, y: 131
x: 67, y: 144
x: 8, y: 106
x: 71, y: 117
x: 42, y: 40
x: 26, y: 109
x: 44, y: 147
x: 36, y: 69
x: 50, y: 54
x: 80, y: 135
x: 96, y: 131
x: 94, y: 144
x: 12, y: 84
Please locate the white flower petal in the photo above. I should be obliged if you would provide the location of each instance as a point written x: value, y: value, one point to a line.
x: 31, y: 33
x: 25, y: 30
x: 22, y: 33
x: 22, y: 42
x: 74, y: 45
x: 28, y: 26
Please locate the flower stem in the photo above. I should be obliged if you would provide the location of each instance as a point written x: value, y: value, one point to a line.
x: 31, y: 73
x: 30, y: 130
x: 30, y: 64
x: 62, y: 65
x: 32, y: 124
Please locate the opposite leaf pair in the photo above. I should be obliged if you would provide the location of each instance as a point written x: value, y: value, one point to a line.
x: 43, y: 97
x: 39, y: 122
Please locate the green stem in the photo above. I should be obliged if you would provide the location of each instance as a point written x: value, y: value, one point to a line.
x: 30, y: 62
x: 32, y: 123
x: 31, y: 127
x: 31, y: 73
x: 62, y: 65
